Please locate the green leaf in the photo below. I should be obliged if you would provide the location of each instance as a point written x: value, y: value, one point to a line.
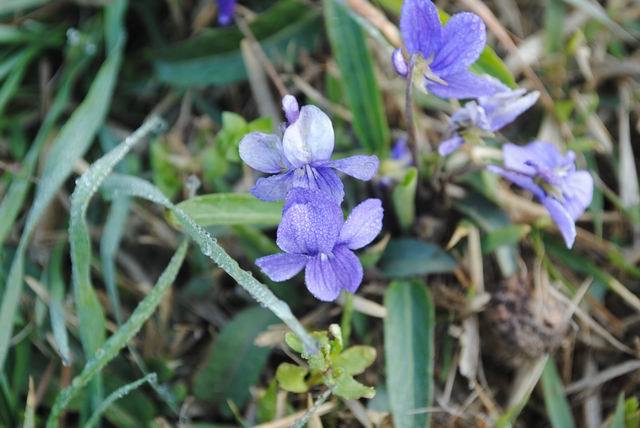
x: 56, y: 308
x: 618, y: 415
x: 234, y: 363
x: 355, y: 360
x: 70, y: 145
x: 213, y: 57
x: 632, y: 412
x: 554, y: 398
x: 268, y: 403
x: 504, y: 236
x: 231, y: 209
x: 364, y: 98
x: 411, y: 257
x: 409, y: 354
x: 291, y: 377
x: 404, y: 199
x: 294, y: 342
x: 165, y: 173
x: 121, y: 337
x: 350, y: 389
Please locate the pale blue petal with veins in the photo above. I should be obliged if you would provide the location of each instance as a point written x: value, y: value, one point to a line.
x: 552, y: 177
x: 302, y: 158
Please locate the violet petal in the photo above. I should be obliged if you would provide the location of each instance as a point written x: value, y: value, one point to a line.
x: 463, y: 39
x: 361, y: 167
x: 363, y: 224
x: 326, y: 275
x: 311, y: 222
x: 283, y: 266
x: 420, y: 27
x: 263, y: 152
x: 464, y: 84
x: 450, y: 145
x: 310, y: 138
x: 562, y: 219
x: 273, y: 188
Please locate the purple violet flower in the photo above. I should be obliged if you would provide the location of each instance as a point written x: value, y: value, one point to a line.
x: 226, y: 9
x: 446, y: 52
x: 552, y: 177
x: 314, y: 235
x: 489, y: 113
x: 400, y: 152
x: 302, y: 158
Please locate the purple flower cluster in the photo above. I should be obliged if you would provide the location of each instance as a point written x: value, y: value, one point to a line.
x: 443, y: 54
x: 313, y: 234
x: 551, y: 176
x: 488, y: 114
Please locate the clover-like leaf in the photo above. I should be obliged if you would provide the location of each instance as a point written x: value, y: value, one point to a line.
x: 355, y: 360
x: 294, y: 342
x: 350, y: 389
x: 291, y: 377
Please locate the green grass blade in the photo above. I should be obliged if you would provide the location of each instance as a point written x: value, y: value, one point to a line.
x: 231, y: 209
x: 12, y: 84
x: 116, y: 395
x: 15, y: 196
x: 92, y: 322
x: 70, y: 145
x: 120, y: 338
x: 597, y: 12
x: 555, y: 400
x: 109, y: 243
x: 409, y: 355
x: 120, y: 185
x: 352, y: 55
x: 13, y: 6
x: 56, y: 309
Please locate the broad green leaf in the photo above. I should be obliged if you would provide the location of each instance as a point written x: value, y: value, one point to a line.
x: 234, y: 363
x: 555, y: 399
x: 213, y: 57
x: 356, y: 359
x: 408, y: 350
x: 350, y: 389
x: 411, y: 257
x: 291, y: 377
x: 404, y: 199
x: 554, y: 19
x: 117, y: 395
x: 231, y: 209
x: 70, y: 145
x: 110, y: 349
x: 364, y: 98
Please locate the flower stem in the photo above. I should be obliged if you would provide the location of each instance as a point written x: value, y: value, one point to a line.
x: 408, y: 107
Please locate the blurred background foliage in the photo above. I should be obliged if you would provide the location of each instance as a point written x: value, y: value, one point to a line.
x: 478, y: 313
